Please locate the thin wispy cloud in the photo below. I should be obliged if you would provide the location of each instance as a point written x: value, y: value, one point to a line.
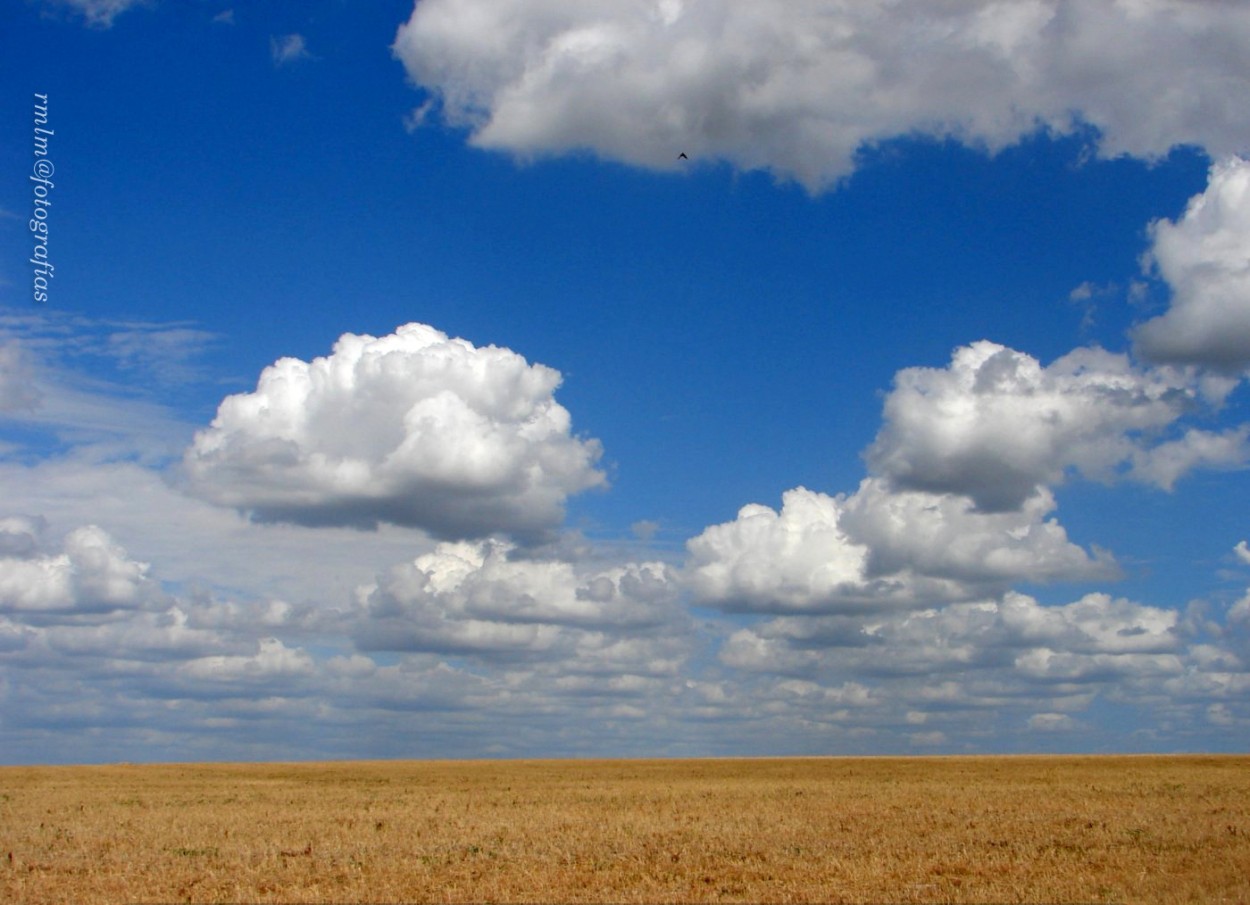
x: 96, y: 13
x: 288, y: 50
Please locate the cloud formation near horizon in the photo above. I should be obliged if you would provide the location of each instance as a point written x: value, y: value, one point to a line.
x: 799, y: 88
x: 182, y: 595
x: 481, y: 600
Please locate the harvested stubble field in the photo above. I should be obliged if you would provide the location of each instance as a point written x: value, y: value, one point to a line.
x: 991, y: 829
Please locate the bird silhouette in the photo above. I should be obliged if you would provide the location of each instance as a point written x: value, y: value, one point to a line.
x: 682, y: 156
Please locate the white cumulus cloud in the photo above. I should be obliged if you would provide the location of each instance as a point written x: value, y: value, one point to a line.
x: 996, y: 424
x: 413, y: 428
x: 943, y: 536
x: 799, y: 86
x: 1205, y: 258
x: 273, y: 659
x: 481, y: 598
x: 1095, y: 624
x: 1165, y: 463
x: 878, y: 549
x: 91, y: 573
x: 797, y: 558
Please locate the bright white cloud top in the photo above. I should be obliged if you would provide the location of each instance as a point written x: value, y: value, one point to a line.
x: 882, y: 480
x: 800, y: 87
x: 413, y: 428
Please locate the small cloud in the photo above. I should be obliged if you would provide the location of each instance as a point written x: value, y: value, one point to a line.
x: 98, y: 13
x: 1089, y: 291
x: 1086, y: 298
x: 646, y: 529
x: 1166, y: 463
x: 927, y: 739
x: 416, y: 117
x: 1243, y: 552
x: 20, y: 536
x: 225, y: 17
x: 288, y: 49
x: 1052, y: 722
x: 1082, y: 293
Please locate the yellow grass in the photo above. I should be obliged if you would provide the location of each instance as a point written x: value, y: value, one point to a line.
x: 1053, y: 829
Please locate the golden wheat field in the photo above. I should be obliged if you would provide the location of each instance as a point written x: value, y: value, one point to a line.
x: 984, y: 829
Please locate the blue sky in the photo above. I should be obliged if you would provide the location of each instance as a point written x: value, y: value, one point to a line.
x: 399, y: 391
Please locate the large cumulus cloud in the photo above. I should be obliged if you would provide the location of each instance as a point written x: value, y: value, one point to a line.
x: 995, y: 425
x: 960, y: 502
x: 413, y: 428
x: 878, y: 550
x: 798, y: 86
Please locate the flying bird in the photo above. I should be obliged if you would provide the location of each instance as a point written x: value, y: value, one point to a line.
x: 682, y: 156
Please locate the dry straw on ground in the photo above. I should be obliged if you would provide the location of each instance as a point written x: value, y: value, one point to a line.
x: 1090, y: 829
